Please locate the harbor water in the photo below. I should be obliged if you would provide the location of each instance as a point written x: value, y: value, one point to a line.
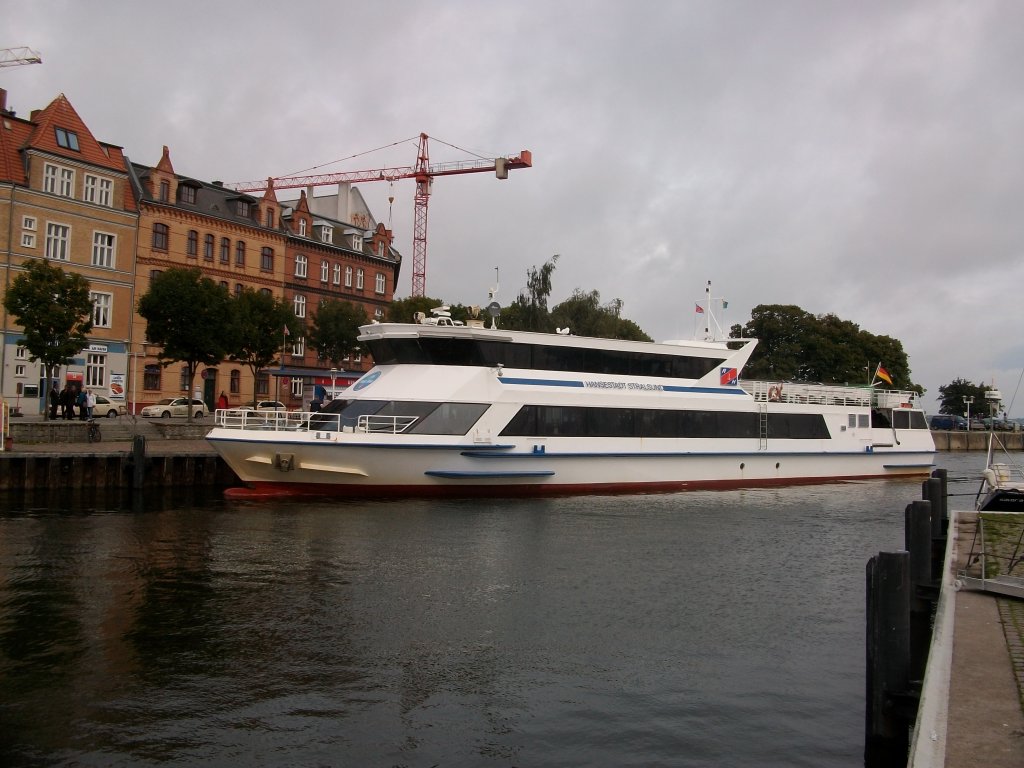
x: 696, y: 629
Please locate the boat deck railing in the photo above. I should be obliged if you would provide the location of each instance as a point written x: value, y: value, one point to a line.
x: 295, y: 421
x: 825, y: 394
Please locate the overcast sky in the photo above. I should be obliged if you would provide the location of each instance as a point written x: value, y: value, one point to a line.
x: 856, y: 158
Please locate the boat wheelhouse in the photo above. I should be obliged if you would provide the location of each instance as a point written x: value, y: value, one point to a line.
x: 464, y: 410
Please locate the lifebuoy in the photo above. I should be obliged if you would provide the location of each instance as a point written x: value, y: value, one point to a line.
x: 775, y: 393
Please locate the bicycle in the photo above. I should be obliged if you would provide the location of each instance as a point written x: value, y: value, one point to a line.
x: 93, y: 434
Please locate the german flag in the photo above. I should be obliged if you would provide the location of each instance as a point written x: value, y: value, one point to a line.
x: 883, y: 374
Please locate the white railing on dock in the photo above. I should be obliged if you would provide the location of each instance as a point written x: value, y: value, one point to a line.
x: 824, y: 394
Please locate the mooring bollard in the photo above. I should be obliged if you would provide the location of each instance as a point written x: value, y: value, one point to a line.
x: 887, y: 739
x: 934, y: 490
x: 138, y: 461
x: 918, y: 541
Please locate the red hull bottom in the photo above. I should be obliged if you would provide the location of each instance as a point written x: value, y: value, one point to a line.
x: 273, y: 491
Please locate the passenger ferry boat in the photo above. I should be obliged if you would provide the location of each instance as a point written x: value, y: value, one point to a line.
x: 454, y: 410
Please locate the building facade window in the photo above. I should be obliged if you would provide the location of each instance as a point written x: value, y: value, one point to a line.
x: 302, y: 227
x: 270, y: 218
x: 208, y: 248
x: 58, y: 241
x: 225, y: 250
x: 380, y: 283
x: 151, y: 377
x: 161, y: 237
x: 300, y: 305
x: 19, y: 370
x: 240, y: 253
x: 235, y: 381
x: 183, y: 379
x: 357, y: 242
x: 187, y: 193
x: 300, y: 265
x: 192, y: 248
x: 98, y: 190
x: 28, y: 231
x: 299, y: 348
x: 359, y: 279
x: 101, y: 308
x: 165, y: 191
x: 267, y: 259
x: 244, y: 209
x: 96, y: 370
x: 238, y: 289
x: 326, y: 233
x: 263, y: 384
x: 103, y: 249
x: 58, y: 180
x: 348, y: 277
x: 67, y: 139
x: 297, y: 387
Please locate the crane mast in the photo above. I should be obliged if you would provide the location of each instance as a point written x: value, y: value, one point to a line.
x: 422, y: 172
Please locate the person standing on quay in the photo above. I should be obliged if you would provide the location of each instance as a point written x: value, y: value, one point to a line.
x: 222, y: 401
x: 54, y: 402
x: 82, y: 408
x: 90, y: 401
x: 65, y: 402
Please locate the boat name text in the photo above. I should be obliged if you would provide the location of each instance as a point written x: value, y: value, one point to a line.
x: 623, y: 385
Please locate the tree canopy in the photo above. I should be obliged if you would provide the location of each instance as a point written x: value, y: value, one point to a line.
x: 794, y: 345
x: 55, y: 310
x: 258, y: 330
x: 952, y: 398
x: 335, y: 330
x: 190, y: 317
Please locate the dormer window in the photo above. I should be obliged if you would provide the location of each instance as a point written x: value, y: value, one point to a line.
x: 244, y: 208
x: 67, y: 139
x: 302, y: 227
x: 357, y: 242
x: 187, y: 194
x: 165, y: 191
x: 326, y: 233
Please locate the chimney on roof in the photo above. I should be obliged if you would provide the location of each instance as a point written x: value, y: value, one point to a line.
x: 3, y: 101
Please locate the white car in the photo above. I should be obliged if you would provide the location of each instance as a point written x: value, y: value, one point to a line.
x: 177, y: 406
x: 264, y: 405
x: 105, y: 407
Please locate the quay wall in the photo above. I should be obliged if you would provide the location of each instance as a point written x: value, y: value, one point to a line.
x: 975, y: 440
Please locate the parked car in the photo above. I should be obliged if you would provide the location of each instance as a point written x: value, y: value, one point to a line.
x: 105, y: 407
x: 263, y: 405
x: 177, y: 406
x: 947, y: 421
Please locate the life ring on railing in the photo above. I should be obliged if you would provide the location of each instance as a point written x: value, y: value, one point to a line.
x: 775, y: 393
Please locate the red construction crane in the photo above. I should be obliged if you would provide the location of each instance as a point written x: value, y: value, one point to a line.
x: 424, y: 174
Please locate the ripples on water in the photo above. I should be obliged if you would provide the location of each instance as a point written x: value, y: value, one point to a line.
x: 672, y: 630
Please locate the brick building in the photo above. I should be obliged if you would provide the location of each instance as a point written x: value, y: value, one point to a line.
x: 65, y: 196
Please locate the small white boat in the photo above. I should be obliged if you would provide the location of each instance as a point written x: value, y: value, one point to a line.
x: 1002, y: 482
x: 466, y: 410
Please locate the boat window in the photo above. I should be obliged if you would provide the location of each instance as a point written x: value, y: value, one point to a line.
x: 540, y: 357
x: 450, y: 419
x: 576, y: 421
x: 881, y: 418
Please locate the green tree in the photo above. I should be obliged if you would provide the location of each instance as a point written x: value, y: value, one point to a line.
x: 404, y: 310
x: 55, y: 310
x: 951, y: 398
x: 335, y: 330
x: 258, y: 333
x: 584, y: 315
x: 794, y: 345
x: 529, y: 311
x: 190, y: 317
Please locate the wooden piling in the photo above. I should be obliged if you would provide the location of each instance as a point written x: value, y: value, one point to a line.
x: 887, y: 730
x: 918, y: 541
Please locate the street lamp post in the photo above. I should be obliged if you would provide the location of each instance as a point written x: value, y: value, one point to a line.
x: 968, y: 399
x: 334, y: 376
